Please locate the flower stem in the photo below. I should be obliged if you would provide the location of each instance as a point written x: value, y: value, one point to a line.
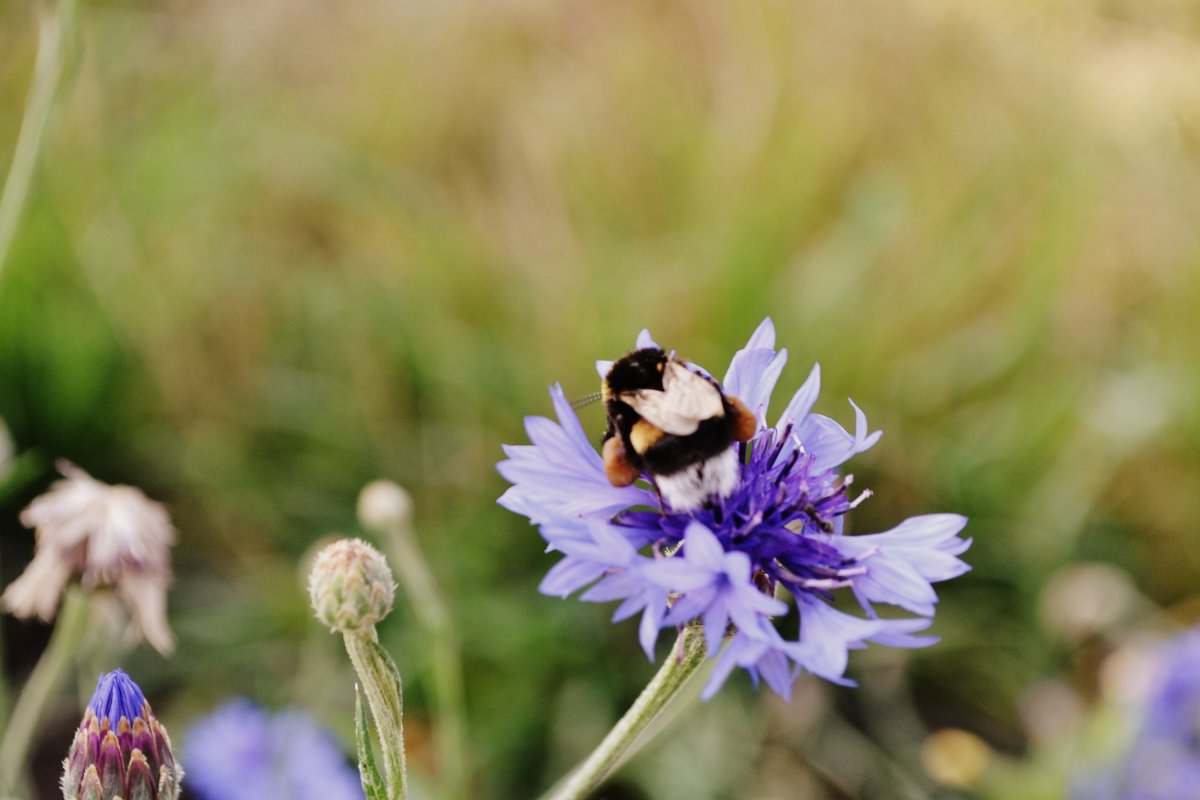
x: 686, y: 658
x: 54, y: 34
x: 381, y: 684
x: 432, y: 613
x: 43, y: 682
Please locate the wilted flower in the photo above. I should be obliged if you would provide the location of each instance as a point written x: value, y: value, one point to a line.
x: 239, y: 752
x: 723, y: 563
x: 120, y: 751
x: 350, y: 586
x: 1164, y: 761
x: 108, y: 535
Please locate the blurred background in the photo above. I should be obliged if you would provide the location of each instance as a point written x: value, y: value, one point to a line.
x: 275, y: 250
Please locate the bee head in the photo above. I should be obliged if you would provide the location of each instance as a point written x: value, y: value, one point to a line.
x: 640, y: 369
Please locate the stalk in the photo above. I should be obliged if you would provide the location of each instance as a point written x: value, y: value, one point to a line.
x: 432, y: 613
x: 381, y: 684
x: 685, y: 660
x: 55, y: 31
x: 46, y: 679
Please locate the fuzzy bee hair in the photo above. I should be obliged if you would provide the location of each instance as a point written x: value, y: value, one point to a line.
x: 677, y: 425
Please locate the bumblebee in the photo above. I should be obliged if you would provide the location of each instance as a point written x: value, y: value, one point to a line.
x: 674, y: 423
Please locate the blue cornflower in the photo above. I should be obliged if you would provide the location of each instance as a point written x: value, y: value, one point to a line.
x: 1164, y: 760
x: 240, y: 752
x: 725, y: 562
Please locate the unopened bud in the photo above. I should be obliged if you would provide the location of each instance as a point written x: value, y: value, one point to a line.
x: 383, y: 505
x: 350, y: 586
x: 120, y: 750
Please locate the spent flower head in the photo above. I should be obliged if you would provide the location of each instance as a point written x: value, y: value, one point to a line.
x: 109, y: 536
x: 120, y: 751
x: 351, y: 586
x: 777, y: 533
x: 240, y: 752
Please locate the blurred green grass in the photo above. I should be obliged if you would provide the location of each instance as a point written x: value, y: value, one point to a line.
x: 276, y: 250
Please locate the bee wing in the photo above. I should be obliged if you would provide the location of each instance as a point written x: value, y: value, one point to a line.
x: 686, y: 400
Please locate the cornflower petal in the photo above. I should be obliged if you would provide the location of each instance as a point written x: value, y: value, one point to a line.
x: 763, y: 655
x: 728, y: 595
x: 561, y: 474
x: 803, y: 400
x: 827, y: 635
x: 591, y: 551
x: 754, y: 370
x: 830, y: 443
x: 902, y: 563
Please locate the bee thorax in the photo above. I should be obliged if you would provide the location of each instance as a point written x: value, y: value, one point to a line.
x: 692, y: 486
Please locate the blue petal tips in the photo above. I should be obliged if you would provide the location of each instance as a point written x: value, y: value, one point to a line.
x: 116, y: 697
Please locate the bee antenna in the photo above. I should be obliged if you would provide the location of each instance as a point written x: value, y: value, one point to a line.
x: 587, y: 399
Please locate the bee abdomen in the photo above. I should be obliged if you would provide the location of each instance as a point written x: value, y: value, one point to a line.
x: 691, y: 487
x: 671, y: 454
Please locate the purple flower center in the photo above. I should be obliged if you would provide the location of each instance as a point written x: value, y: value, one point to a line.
x: 782, y: 516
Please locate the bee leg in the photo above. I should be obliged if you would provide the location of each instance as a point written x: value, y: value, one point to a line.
x: 745, y: 424
x: 617, y: 468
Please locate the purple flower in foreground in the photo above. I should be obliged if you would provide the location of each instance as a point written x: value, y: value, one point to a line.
x: 722, y: 563
x: 240, y: 752
x: 120, y: 750
x: 1164, y: 761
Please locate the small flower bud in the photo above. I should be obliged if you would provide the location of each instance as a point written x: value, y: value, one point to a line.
x: 120, y: 750
x: 350, y: 586
x: 384, y: 504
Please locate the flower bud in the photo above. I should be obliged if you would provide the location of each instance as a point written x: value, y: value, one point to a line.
x: 384, y: 504
x: 350, y: 586
x: 120, y: 751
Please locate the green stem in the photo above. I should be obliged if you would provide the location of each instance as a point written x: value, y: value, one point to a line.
x: 45, y: 680
x: 381, y: 684
x: 54, y: 32
x: 686, y: 658
x: 5, y: 699
x: 432, y: 613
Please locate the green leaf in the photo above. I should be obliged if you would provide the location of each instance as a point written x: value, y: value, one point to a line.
x: 372, y: 783
x: 385, y: 659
